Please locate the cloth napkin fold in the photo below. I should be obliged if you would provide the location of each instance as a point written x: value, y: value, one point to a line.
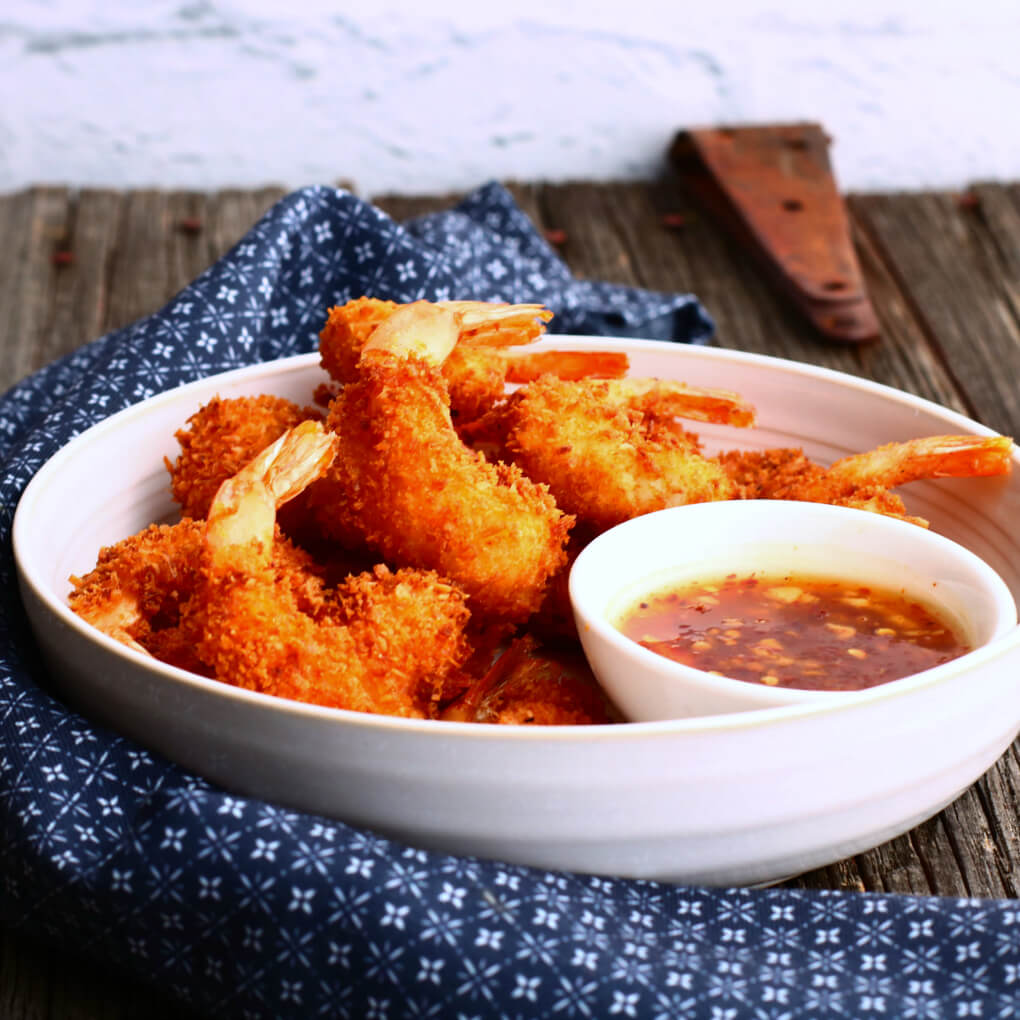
x: 240, y: 908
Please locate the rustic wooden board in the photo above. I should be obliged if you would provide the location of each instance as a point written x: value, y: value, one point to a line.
x: 943, y: 273
x: 961, y: 289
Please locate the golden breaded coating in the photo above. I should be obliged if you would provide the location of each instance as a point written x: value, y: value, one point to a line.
x: 220, y: 438
x: 347, y: 328
x: 476, y: 370
x: 480, y: 324
x: 382, y: 642
x: 531, y: 685
x: 137, y: 588
x: 604, y: 460
x: 477, y: 376
x: 476, y: 380
x: 424, y: 499
x: 863, y: 480
x: 386, y: 647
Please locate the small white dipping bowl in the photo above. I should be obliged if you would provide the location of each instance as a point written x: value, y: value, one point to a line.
x: 705, y: 541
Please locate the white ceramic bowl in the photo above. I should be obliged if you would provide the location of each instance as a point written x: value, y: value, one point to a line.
x: 706, y: 541
x: 741, y: 798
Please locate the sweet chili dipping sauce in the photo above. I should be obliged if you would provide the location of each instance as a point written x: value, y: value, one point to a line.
x: 811, y: 633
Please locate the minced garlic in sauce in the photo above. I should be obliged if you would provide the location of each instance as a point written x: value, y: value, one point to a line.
x: 794, y: 631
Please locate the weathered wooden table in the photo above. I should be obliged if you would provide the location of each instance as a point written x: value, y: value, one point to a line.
x: 943, y: 271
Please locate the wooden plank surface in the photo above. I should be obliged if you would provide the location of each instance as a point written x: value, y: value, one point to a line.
x: 943, y: 272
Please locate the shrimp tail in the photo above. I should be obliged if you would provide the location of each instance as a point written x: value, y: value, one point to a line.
x: 571, y: 365
x: 421, y: 330
x: 244, y: 508
x: 351, y: 326
x: 664, y: 397
x: 488, y: 324
x: 929, y: 457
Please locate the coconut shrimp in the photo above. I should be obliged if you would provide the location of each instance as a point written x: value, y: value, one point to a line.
x: 479, y: 323
x: 610, y: 450
x: 418, y: 494
x: 477, y: 376
x: 863, y: 480
x: 135, y: 591
x: 140, y: 588
x: 531, y: 685
x: 479, y: 367
x: 385, y: 641
x: 221, y: 438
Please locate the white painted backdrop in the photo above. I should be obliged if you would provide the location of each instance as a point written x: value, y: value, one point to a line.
x: 419, y: 96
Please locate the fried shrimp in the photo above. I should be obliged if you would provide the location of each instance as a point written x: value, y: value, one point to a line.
x: 418, y: 494
x: 223, y: 436
x: 475, y: 371
x: 477, y: 376
x: 863, y: 480
x: 479, y: 367
x: 384, y: 641
x: 137, y: 587
x: 404, y: 548
x: 929, y: 457
x: 530, y: 685
x: 479, y: 324
x: 140, y: 586
x: 664, y: 399
x: 611, y: 450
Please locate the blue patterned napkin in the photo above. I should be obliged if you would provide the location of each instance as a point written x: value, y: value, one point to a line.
x: 240, y: 908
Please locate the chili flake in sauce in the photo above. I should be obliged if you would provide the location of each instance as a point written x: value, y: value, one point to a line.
x: 794, y: 631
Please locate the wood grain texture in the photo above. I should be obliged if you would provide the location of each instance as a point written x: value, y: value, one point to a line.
x: 957, y: 281
x: 943, y: 273
x: 34, y: 226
